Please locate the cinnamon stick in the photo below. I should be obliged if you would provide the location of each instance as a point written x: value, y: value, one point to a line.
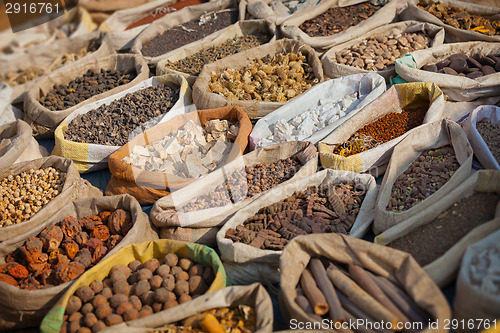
x: 302, y: 301
x: 313, y: 294
x: 319, y: 272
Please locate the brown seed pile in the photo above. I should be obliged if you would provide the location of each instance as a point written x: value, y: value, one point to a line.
x: 491, y: 136
x: 273, y: 78
x: 379, y: 52
x: 61, y: 252
x: 23, y: 195
x: 135, y: 291
x: 462, y: 65
x: 328, y: 209
x: 245, y: 184
x: 425, y: 176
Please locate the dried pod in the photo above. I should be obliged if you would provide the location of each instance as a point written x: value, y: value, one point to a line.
x: 71, y: 248
x: 15, y: 270
x: 99, y: 253
x: 100, y: 232
x: 113, y: 241
x: 104, y: 215
x: 90, y: 222
x: 84, y: 257
x: 69, y: 272
x: 34, y: 244
x: 81, y: 238
x: 51, y: 237
x: 70, y: 227
x: 53, y: 256
x: 119, y: 221
x: 93, y: 243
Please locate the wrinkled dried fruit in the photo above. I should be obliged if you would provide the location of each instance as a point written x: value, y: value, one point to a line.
x: 113, y: 240
x: 51, y: 237
x: 90, y: 222
x: 99, y: 253
x: 15, y: 270
x: 100, y: 232
x: 8, y: 279
x: 71, y: 248
x: 34, y: 244
x: 74, y: 305
x: 81, y: 238
x: 93, y: 243
x: 69, y: 272
x: 85, y: 293
x: 70, y: 227
x: 104, y: 215
x: 119, y: 222
x: 84, y: 257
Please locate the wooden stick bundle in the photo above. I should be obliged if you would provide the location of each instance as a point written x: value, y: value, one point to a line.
x: 313, y: 293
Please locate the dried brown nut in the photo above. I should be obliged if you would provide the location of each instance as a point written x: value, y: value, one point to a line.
x: 119, y: 222
x: 134, y: 265
x: 168, y: 282
x: 107, y: 292
x: 186, y: 264
x: 96, y: 286
x: 74, y: 305
x: 182, y: 276
x: 85, y: 293
x: 113, y: 319
x: 196, y: 285
x: 51, y: 237
x: 121, y: 287
x: 136, y: 302
x: 196, y: 270
x: 144, y: 274
x: 157, y: 307
x: 184, y: 298
x: 84, y: 330
x: 141, y: 287
x: 170, y: 259
x: 74, y: 326
x: 151, y: 264
x: 117, y: 275
x: 163, y: 270
x: 161, y: 295
x: 145, y: 312
x: 100, y: 232
x: 100, y: 325
x: 122, y: 268
x: 148, y: 298
x: 155, y: 282
x: 103, y: 310
x: 90, y: 320
x: 87, y: 308
x: 131, y: 314
x: 181, y: 287
x: 176, y: 270
x: 117, y: 299
x: 124, y: 307
x: 169, y: 304
x: 98, y: 300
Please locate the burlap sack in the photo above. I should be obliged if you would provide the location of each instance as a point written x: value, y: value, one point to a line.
x: 429, y: 136
x: 395, y: 265
x: 255, y: 109
x: 8, y: 112
x: 453, y: 35
x: 167, y: 212
x: 333, y: 69
x: 26, y: 308
x: 147, y: 186
x: 74, y: 188
x: 174, y: 19
x: 490, y: 114
x: 110, y: 5
x: 368, y: 87
x: 46, y: 57
x: 43, y: 121
x: 489, y: 3
x: 407, y: 95
x: 142, y: 252
x: 18, y: 145
x: 247, y: 264
x: 204, y: 236
x: 290, y: 28
x: 89, y: 157
x: 471, y: 303
x: 456, y: 88
x: 236, y: 30
x: 264, y: 9
x: 444, y: 269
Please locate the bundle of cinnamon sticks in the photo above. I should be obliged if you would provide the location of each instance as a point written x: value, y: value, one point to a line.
x: 327, y: 290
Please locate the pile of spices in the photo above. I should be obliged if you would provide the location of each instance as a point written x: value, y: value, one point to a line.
x: 273, y: 78
x: 461, y: 18
x: 194, y: 63
x: 425, y: 176
x: 325, y: 209
x: 462, y: 65
x: 92, y: 83
x: 491, y: 136
x: 484, y: 273
x: 430, y: 241
x: 240, y: 319
x: 381, y: 131
x: 23, y: 195
x: 379, y: 52
x: 189, y: 32
x: 245, y: 184
x: 160, y: 12
x: 113, y: 124
x: 338, y: 19
x: 62, y: 252
x: 135, y: 291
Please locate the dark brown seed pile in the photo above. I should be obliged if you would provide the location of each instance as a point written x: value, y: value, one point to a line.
x: 462, y: 65
x: 491, y: 136
x: 63, y: 96
x: 112, y: 124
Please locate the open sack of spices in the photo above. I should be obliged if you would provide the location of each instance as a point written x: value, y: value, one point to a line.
x: 463, y: 71
x: 56, y: 95
x: 334, y: 22
x: 340, y: 278
x: 462, y: 21
x: 259, y: 80
x: 483, y: 131
x: 316, y: 113
x: 209, y: 201
x: 18, y: 145
x: 378, y: 49
x: 33, y: 191
x: 239, y: 37
x: 276, y: 11
x: 136, y: 282
x: 39, y: 265
x: 438, y: 235
x: 174, y: 154
x: 365, y: 142
x: 23, y: 71
x: 330, y: 201
x: 478, y: 295
x: 186, y: 28
x: 96, y: 130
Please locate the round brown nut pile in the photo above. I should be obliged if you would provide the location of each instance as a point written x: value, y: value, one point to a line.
x: 462, y: 65
x: 379, y: 52
x: 23, y: 195
x: 135, y: 291
x: 276, y: 78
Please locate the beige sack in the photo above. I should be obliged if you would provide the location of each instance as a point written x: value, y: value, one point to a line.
x: 44, y: 121
x: 255, y: 109
x: 444, y: 269
x: 453, y: 35
x: 333, y: 69
x: 18, y: 145
x: 171, y: 20
x: 271, y: 10
x: 247, y: 264
x: 26, y: 308
x: 167, y: 212
x: 238, y: 29
x: 429, y: 136
x: 204, y: 236
x: 456, y: 88
x: 395, y: 265
x: 290, y: 28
